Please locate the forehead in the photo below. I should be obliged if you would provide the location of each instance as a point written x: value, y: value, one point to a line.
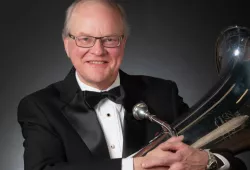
x: 95, y: 19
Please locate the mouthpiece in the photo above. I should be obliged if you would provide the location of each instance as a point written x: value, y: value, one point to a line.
x: 140, y: 111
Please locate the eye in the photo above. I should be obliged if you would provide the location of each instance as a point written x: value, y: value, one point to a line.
x: 84, y: 39
x: 110, y: 39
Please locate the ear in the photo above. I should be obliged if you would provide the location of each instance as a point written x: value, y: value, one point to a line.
x: 66, y: 46
x: 124, y: 40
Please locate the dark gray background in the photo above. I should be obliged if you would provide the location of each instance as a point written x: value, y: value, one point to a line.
x: 171, y: 39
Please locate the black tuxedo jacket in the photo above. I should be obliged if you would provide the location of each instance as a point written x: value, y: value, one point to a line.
x: 62, y: 132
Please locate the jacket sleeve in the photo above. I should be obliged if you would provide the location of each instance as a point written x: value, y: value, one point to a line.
x: 180, y: 105
x: 43, y: 149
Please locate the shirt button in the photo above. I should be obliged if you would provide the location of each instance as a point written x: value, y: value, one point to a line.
x: 112, y: 146
x: 108, y: 115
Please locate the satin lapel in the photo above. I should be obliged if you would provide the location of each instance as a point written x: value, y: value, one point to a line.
x: 82, y: 118
x: 134, y: 130
x: 85, y: 122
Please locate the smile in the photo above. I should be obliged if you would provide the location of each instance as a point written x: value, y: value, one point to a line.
x: 97, y: 62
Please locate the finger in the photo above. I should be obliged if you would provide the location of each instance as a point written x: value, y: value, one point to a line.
x: 176, y: 139
x: 178, y: 165
x: 160, y: 168
x: 166, y: 146
x: 158, y: 152
x: 154, y: 161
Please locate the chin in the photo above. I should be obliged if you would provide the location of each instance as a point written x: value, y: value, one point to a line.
x: 105, y: 80
x: 99, y: 77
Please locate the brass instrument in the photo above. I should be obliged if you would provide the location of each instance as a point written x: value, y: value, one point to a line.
x: 216, y: 116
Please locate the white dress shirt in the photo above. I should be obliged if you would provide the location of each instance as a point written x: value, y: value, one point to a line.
x: 111, y: 119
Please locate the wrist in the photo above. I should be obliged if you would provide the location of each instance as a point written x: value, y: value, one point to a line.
x: 212, y: 163
x: 219, y: 162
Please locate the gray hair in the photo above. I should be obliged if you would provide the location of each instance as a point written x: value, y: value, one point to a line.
x: 111, y: 3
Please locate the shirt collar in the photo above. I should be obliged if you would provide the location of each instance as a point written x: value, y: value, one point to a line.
x: 85, y: 87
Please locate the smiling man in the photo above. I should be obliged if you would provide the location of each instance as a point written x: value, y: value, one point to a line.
x: 86, y: 122
x: 101, y: 36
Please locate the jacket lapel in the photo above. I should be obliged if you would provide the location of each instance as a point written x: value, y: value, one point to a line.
x: 134, y: 130
x: 82, y: 118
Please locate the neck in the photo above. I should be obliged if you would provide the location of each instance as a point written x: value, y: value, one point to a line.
x: 104, y: 85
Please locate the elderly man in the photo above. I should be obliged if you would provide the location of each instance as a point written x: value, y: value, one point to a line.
x: 83, y: 121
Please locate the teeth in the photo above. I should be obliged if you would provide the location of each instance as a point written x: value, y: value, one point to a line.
x: 96, y: 62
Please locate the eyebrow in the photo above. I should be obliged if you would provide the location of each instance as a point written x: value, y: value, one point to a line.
x: 82, y: 33
x: 85, y: 34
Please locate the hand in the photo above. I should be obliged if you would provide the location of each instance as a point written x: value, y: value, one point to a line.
x: 157, y: 153
x: 176, y: 155
x: 138, y: 165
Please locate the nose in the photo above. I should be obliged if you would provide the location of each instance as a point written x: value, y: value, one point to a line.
x: 98, y: 48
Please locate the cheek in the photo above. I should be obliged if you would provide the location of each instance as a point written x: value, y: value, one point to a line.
x: 76, y: 56
x: 77, y: 53
x: 116, y: 55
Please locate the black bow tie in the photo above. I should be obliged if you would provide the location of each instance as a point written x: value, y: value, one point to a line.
x: 93, y: 98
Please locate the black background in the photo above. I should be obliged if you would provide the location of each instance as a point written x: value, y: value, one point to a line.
x: 171, y: 39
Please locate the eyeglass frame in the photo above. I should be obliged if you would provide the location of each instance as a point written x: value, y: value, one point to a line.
x: 96, y: 38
